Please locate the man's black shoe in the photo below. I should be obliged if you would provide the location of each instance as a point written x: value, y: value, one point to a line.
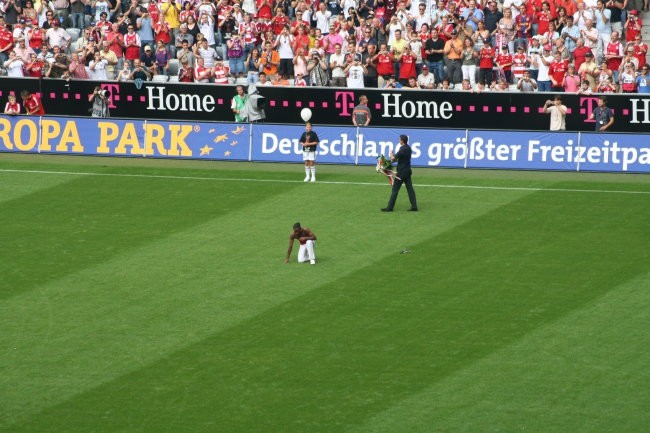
x: 385, y: 209
x: 413, y: 209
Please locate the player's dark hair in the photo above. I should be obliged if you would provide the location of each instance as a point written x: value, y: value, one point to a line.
x: 404, y: 139
x: 296, y: 226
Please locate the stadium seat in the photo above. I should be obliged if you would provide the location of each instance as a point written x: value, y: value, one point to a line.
x: 160, y: 78
x: 173, y: 79
x: 173, y: 67
x: 242, y: 80
x: 74, y: 34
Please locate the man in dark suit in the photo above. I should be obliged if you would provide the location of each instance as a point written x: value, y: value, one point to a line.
x: 404, y: 172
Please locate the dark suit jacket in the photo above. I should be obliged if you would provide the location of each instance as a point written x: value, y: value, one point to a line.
x: 403, y: 158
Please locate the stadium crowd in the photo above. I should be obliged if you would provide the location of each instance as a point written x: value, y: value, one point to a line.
x: 514, y: 45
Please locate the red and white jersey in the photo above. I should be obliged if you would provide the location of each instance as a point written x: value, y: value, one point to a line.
x: 557, y: 70
x: 154, y: 12
x: 36, y: 37
x: 640, y: 51
x: 279, y: 23
x: 220, y: 75
x: 36, y: 69
x: 614, y: 49
x: 33, y: 105
x: 385, y: 65
x: 264, y: 9
x: 202, y: 74
x: 162, y: 32
x: 182, y: 17
x: 504, y: 61
x: 486, y: 57
x: 518, y: 65
x: 248, y: 32
x: 6, y: 38
x: 12, y: 108
x: 133, y: 43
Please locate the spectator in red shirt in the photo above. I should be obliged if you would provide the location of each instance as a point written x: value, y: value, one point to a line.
x: 407, y: 66
x: 384, y: 60
x: 486, y: 63
x: 556, y: 71
x: 504, y: 62
x: 633, y: 25
x: 580, y: 52
x: 6, y: 42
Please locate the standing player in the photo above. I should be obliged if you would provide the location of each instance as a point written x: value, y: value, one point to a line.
x: 306, y: 238
x: 309, y: 140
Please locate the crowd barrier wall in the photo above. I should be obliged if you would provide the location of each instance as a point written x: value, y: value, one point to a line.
x: 458, y: 148
x: 333, y: 106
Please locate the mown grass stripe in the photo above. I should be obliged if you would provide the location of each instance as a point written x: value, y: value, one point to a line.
x: 328, y: 182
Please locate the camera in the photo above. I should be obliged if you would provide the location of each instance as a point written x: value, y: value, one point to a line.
x: 102, y: 93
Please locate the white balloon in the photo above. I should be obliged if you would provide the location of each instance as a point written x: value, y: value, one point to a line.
x: 305, y: 114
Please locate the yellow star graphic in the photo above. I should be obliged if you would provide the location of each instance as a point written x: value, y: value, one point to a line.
x: 233, y: 143
x: 226, y: 153
x: 238, y: 130
x: 220, y: 138
x: 205, y: 150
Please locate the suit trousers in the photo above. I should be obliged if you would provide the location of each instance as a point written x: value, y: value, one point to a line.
x: 397, y: 184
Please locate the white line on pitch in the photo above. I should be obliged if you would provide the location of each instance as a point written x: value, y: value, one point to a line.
x: 225, y: 179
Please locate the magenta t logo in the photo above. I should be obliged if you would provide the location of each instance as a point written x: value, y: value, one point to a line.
x: 115, y: 91
x: 344, y: 98
x: 590, y: 104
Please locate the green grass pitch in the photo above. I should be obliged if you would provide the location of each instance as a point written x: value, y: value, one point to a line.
x: 151, y: 296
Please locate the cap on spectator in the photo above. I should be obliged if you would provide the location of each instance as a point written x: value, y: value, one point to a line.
x: 92, y: 24
x: 147, y: 48
x: 425, y: 68
x: 22, y: 21
x: 454, y: 32
x: 91, y: 39
x: 589, y: 54
x: 630, y: 48
x: 520, y: 47
x: 634, y: 12
x: 505, y: 47
x: 548, y: 47
x: 103, y: 14
x: 357, y: 57
x: 236, y: 5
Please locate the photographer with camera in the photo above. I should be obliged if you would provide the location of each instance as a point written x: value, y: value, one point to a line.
x: 317, y: 70
x: 100, y: 100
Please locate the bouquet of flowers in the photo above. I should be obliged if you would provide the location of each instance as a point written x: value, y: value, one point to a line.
x: 385, y: 167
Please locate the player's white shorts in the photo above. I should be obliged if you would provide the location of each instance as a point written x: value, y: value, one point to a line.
x: 308, y: 156
x: 306, y: 252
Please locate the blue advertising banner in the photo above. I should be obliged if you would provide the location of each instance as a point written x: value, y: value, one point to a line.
x: 507, y: 150
x: 614, y: 152
x: 522, y: 150
x: 281, y: 143
x: 431, y: 148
